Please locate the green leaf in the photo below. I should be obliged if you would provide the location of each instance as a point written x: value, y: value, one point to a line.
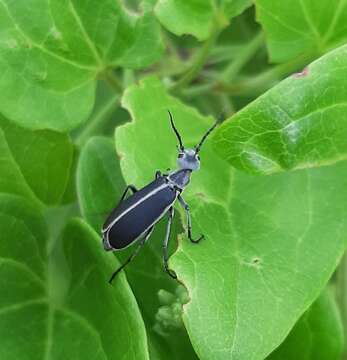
x: 75, y: 325
x: 51, y: 53
x: 234, y: 8
x: 35, y: 162
x: 318, y: 335
x: 99, y: 180
x: 297, y: 27
x: 11, y: 180
x: 106, y: 308
x: 197, y: 17
x: 300, y: 123
x: 271, y: 242
x: 100, y: 185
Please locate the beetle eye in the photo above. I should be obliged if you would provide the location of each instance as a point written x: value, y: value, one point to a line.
x: 180, y: 155
x: 198, y: 157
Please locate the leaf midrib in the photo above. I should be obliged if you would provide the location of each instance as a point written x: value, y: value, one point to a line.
x: 280, y: 21
x: 87, y: 39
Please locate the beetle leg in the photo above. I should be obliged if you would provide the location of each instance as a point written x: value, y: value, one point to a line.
x: 149, y: 233
x: 131, y: 257
x: 129, y: 187
x: 165, y: 245
x: 158, y: 174
x: 189, y: 221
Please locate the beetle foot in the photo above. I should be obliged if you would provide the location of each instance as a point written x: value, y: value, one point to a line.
x: 196, y: 241
x: 171, y: 273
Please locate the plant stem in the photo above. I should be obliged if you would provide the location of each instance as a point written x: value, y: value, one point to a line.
x: 244, y: 56
x: 128, y: 77
x: 197, y: 90
x: 110, y: 77
x: 252, y: 85
x: 255, y: 85
x: 224, y: 53
x: 97, y: 122
x: 227, y: 106
x: 198, y: 62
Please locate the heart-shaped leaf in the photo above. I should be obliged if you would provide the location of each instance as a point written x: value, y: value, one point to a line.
x: 51, y: 53
x: 51, y: 324
x: 259, y: 267
x: 300, y: 123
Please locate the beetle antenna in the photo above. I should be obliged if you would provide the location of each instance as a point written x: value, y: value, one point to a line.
x: 197, y: 147
x: 176, y: 131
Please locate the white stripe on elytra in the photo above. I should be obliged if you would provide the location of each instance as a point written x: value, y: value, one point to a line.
x: 153, y: 192
x: 148, y: 227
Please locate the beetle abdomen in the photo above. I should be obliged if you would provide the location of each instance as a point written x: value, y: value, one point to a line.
x: 138, y: 213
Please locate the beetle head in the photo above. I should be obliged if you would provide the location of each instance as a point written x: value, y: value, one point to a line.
x: 189, y: 158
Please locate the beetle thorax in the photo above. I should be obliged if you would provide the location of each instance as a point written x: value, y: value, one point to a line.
x: 179, y: 178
